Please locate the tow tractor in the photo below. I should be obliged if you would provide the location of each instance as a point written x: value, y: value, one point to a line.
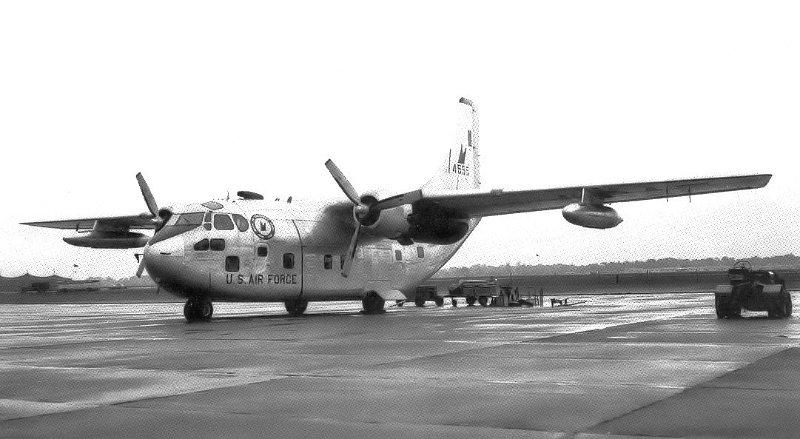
x: 753, y: 290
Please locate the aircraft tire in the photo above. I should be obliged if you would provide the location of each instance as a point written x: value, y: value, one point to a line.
x: 296, y: 307
x: 439, y: 301
x: 721, y: 308
x: 373, y: 303
x: 188, y: 310
x: 198, y: 308
x: 483, y: 300
x: 420, y: 302
x: 470, y: 300
x: 205, y: 310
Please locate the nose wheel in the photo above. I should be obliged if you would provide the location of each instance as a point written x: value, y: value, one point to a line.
x: 373, y: 303
x: 198, y: 308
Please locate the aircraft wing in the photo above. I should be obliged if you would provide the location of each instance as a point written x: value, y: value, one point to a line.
x: 143, y: 221
x: 501, y: 202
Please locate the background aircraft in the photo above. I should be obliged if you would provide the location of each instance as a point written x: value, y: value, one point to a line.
x: 372, y: 247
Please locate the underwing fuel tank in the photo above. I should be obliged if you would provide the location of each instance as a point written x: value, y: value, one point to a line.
x: 593, y: 216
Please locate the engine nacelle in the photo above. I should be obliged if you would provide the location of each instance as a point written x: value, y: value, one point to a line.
x: 432, y: 224
x: 390, y: 223
x: 593, y: 216
x: 109, y: 239
x: 421, y: 223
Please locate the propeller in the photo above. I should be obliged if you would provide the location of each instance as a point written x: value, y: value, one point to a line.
x: 363, y: 213
x: 152, y: 206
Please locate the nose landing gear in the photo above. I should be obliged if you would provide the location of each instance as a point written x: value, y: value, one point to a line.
x: 373, y: 303
x: 198, y: 308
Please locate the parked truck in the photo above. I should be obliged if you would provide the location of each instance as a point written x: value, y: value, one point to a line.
x: 480, y: 290
x: 753, y: 290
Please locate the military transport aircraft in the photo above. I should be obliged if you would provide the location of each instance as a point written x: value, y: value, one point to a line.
x: 371, y: 249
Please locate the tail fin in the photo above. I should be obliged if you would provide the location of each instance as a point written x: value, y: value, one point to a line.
x: 462, y: 168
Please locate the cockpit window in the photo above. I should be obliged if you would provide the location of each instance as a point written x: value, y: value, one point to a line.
x: 190, y: 219
x: 201, y: 245
x: 183, y: 223
x: 241, y: 223
x: 222, y: 222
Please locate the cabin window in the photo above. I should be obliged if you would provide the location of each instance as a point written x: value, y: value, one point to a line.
x: 288, y: 260
x: 420, y: 252
x: 262, y: 251
x: 222, y: 222
x: 201, y: 246
x: 327, y: 262
x: 232, y: 263
x: 241, y: 223
x: 398, y: 255
x: 217, y: 245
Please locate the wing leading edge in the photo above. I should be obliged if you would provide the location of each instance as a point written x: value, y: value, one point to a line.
x: 501, y: 202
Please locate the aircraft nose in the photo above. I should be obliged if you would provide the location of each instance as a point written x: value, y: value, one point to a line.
x: 163, y: 258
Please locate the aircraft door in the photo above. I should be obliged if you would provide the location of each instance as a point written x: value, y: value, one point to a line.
x: 277, y: 258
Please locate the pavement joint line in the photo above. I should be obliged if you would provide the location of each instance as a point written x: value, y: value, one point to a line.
x: 701, y: 385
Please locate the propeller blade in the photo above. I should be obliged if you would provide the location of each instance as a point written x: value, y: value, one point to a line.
x: 342, y: 181
x: 397, y: 200
x: 141, y: 268
x: 351, y: 252
x: 152, y: 206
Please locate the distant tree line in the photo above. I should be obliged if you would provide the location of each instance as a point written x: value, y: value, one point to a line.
x: 789, y: 261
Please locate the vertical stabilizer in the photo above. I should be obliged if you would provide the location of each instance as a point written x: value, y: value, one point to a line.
x: 461, y: 169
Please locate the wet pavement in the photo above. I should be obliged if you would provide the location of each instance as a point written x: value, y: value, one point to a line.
x: 623, y: 365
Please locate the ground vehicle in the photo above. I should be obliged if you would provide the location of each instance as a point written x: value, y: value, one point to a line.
x: 481, y: 290
x: 754, y: 290
x: 425, y: 293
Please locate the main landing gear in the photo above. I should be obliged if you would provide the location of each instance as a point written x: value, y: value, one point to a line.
x: 373, y: 303
x: 296, y: 307
x: 198, y: 308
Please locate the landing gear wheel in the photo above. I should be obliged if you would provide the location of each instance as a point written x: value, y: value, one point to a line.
x: 439, y: 301
x: 787, y: 306
x: 296, y: 307
x: 721, y: 307
x: 483, y: 300
x: 470, y: 300
x: 373, y: 303
x: 419, y: 301
x: 198, y: 308
x: 454, y: 302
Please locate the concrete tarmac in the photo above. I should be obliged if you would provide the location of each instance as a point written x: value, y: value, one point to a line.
x: 613, y: 366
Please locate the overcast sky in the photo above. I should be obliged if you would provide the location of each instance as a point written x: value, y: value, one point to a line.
x: 209, y: 97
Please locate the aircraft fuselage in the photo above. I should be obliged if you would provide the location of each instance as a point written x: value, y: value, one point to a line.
x: 252, y: 250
